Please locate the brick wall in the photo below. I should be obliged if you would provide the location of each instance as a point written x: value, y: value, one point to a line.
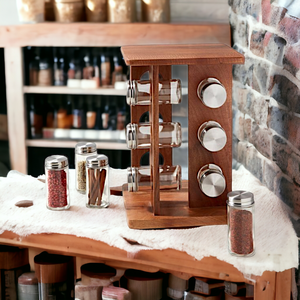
x: 266, y: 97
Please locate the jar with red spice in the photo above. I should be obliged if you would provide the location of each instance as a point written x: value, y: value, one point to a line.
x: 57, y: 182
x: 240, y: 218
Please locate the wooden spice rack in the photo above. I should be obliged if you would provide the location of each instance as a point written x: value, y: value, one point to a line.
x: 187, y: 207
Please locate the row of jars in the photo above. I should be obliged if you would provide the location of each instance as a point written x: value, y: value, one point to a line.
x: 114, y: 11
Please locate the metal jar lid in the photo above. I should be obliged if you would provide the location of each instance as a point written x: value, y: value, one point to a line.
x: 131, y: 135
x: 211, y: 92
x: 131, y: 93
x: 56, y: 162
x: 211, y: 180
x: 240, y: 199
x: 85, y: 148
x: 132, y: 179
x: 97, y: 161
x: 212, y: 136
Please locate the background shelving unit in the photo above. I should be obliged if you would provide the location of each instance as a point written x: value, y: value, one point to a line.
x: 13, y: 38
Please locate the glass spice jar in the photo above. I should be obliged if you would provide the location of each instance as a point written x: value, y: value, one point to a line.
x: 139, y: 92
x: 68, y: 11
x: 96, y: 10
x: 31, y: 11
x: 97, y: 188
x: 156, y: 11
x: 82, y: 151
x: 57, y: 182
x: 121, y: 11
x: 240, y: 218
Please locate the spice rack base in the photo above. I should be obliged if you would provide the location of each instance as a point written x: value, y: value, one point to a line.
x: 174, y: 210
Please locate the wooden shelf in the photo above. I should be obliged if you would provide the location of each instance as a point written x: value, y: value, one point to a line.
x: 108, y: 35
x: 72, y: 91
x: 71, y: 144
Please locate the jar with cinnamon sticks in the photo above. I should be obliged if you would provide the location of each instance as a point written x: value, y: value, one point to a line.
x: 97, y: 188
x: 240, y: 217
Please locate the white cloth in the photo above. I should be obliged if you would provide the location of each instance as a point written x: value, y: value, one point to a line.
x: 276, y: 241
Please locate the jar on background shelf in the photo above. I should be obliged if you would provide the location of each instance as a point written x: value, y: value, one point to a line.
x: 31, y: 11
x: 96, y: 10
x: 240, y: 217
x: 57, y: 182
x: 82, y: 151
x: 97, y: 188
x: 28, y: 287
x: 67, y: 11
x: 156, y: 11
x: 121, y: 11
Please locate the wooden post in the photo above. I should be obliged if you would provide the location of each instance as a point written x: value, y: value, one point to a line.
x: 16, y: 108
x: 154, y: 150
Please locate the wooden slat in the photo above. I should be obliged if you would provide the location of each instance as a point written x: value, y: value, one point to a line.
x: 264, y: 288
x: 107, y: 34
x: 72, y: 91
x: 149, y: 260
x: 283, y: 285
x: 189, y: 54
x: 15, y: 108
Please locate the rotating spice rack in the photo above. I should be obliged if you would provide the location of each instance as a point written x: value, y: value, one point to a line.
x: 189, y: 206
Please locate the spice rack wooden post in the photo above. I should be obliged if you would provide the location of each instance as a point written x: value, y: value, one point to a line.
x: 189, y: 206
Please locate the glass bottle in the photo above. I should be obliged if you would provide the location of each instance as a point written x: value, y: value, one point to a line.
x: 169, y: 177
x: 97, y: 188
x: 74, y: 72
x: 57, y: 182
x: 139, y: 92
x: 36, y: 118
x: 82, y: 151
x: 138, y: 136
x: 117, y: 74
x: 78, y: 113
x: 105, y: 69
x: 45, y: 70
x: 240, y: 217
x: 58, y: 66
x: 34, y: 66
x: 91, y: 113
x: 211, y: 92
x: 211, y: 180
x: 212, y: 136
x: 105, y: 116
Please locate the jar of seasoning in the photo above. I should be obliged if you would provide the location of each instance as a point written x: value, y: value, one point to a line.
x: 57, y: 182
x: 156, y: 11
x: 97, y: 188
x: 67, y: 11
x: 82, y: 151
x: 240, y: 217
x: 96, y: 10
x: 28, y: 287
x: 31, y: 11
x: 121, y: 11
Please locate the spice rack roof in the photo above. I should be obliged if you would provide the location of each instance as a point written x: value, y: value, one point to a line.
x: 108, y: 34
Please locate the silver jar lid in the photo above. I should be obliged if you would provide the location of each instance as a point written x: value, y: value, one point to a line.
x: 131, y: 92
x: 211, y: 180
x: 56, y: 162
x: 131, y: 135
x: 211, y: 92
x: 132, y: 179
x: 240, y: 198
x: 96, y: 161
x: 85, y: 147
x: 212, y: 136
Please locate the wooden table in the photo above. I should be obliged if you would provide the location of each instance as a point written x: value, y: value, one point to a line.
x: 271, y: 285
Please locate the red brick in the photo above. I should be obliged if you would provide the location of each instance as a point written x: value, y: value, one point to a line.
x: 291, y: 59
x: 262, y: 140
x: 293, y: 169
x: 257, y: 42
x: 294, y: 131
x: 272, y: 14
x: 289, y: 26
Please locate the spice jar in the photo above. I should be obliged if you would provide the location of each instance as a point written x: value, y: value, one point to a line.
x: 82, y: 151
x: 121, y: 11
x: 31, y: 11
x: 68, y: 10
x: 97, y: 189
x: 96, y: 10
x: 138, y: 136
x: 240, y: 217
x: 169, y: 177
x: 28, y: 287
x: 139, y: 92
x: 156, y: 11
x: 57, y: 182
